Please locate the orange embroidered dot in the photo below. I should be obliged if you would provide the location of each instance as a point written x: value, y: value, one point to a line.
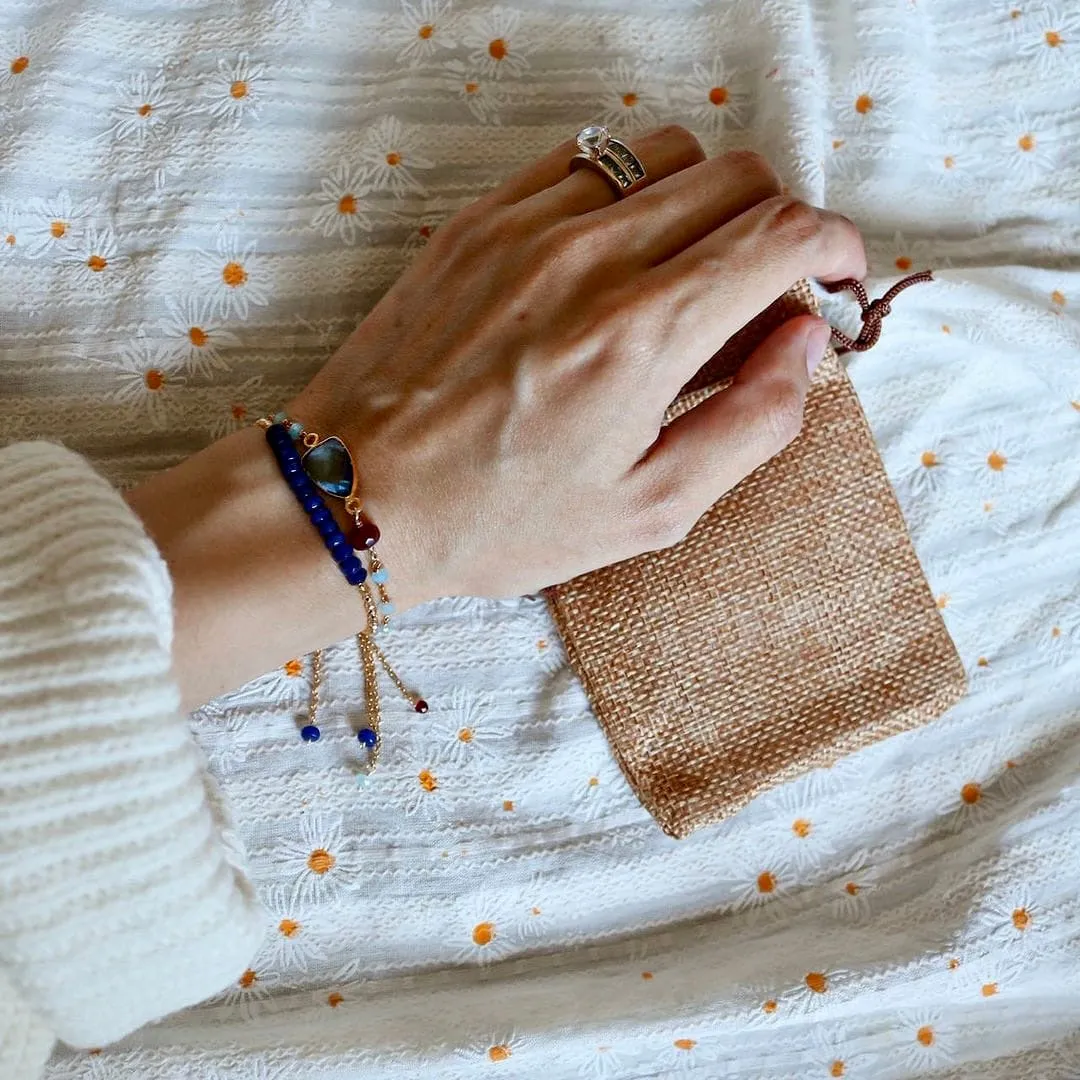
x: 425, y: 231
x: 925, y: 1035
x: 393, y: 159
x: 535, y: 911
x: 239, y: 89
x: 483, y: 933
x: 58, y: 229
x: 929, y: 459
x: 499, y: 1052
x: 988, y: 507
x: 198, y: 336
x: 769, y: 1007
x: 647, y: 975
x: 19, y: 64
x: 989, y: 989
x: 154, y: 379
x: 320, y: 861
x: 288, y: 928
x: 863, y: 104
x: 471, y: 87
x: 954, y: 963
x: 903, y: 263
x: 983, y: 662
x: 233, y: 274
x: 498, y: 49
x: 292, y: 668
x: 1057, y: 297
x: 996, y: 460
x: 801, y: 828
x: 248, y: 979
x: 942, y: 601
x: 1015, y: 13
x: 1055, y: 631
x: 465, y: 735
x: 718, y: 95
x: 427, y: 780
x: 594, y: 781
x: 836, y: 1068
x: 852, y: 889
x: 1026, y: 142
x: 239, y: 412
x: 838, y: 143
x: 425, y: 31
x: 630, y: 99
x: 95, y: 262
x: 946, y: 328
x: 145, y: 109
x: 766, y: 882
x: 508, y: 805
x: 971, y: 793
x: 817, y: 981
x: 10, y: 239
x: 347, y: 204
x: 1021, y: 919
x: 1010, y: 764
x: 542, y: 644
x: 950, y: 161
x: 1053, y: 39
x: 1074, y: 404
x: 685, y: 1044
x: 334, y: 1000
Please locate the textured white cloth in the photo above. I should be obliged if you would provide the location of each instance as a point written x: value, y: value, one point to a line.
x: 117, y: 904
x: 911, y: 910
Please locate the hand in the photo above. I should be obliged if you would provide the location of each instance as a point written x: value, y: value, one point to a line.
x: 504, y: 404
x: 504, y: 400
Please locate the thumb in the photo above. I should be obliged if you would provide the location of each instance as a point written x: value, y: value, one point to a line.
x: 708, y: 450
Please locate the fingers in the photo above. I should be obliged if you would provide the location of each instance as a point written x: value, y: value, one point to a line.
x: 662, y: 152
x: 690, y: 203
x: 537, y: 176
x: 712, y: 288
x: 708, y: 450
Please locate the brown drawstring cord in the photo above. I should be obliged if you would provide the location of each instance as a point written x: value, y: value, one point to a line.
x: 873, y: 311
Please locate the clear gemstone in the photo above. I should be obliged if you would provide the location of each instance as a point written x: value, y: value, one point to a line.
x: 593, y: 139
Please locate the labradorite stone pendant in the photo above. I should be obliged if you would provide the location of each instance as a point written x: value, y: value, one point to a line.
x: 330, y: 466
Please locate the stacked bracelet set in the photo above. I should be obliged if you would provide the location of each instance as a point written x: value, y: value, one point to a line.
x: 325, y: 466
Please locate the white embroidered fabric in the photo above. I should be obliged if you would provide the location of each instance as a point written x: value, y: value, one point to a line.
x: 199, y: 198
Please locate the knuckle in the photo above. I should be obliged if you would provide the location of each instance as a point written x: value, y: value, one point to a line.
x: 664, y: 520
x: 573, y: 244
x: 797, y: 222
x: 751, y: 164
x: 781, y: 412
x: 682, y: 140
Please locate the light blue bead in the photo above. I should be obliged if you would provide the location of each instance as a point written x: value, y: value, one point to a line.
x: 361, y: 780
x: 381, y: 576
x: 280, y: 417
x: 296, y: 430
x: 387, y: 608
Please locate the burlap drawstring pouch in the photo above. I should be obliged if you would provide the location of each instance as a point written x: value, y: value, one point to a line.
x: 791, y: 627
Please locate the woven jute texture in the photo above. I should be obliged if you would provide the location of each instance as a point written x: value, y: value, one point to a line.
x: 791, y: 627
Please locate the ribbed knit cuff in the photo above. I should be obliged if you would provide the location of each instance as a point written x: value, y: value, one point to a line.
x: 117, y: 905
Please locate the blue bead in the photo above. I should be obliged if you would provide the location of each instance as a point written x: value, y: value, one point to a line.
x: 310, y: 733
x: 380, y: 576
x: 280, y: 417
x: 354, y: 572
x: 338, y: 546
x: 321, y: 515
x: 387, y: 608
x: 276, y: 434
x: 300, y: 484
x: 312, y: 502
x: 296, y: 430
x: 327, y: 529
x: 367, y: 737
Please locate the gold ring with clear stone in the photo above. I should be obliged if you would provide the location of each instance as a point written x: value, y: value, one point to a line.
x: 612, y: 159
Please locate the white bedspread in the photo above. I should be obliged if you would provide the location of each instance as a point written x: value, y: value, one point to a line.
x: 201, y: 196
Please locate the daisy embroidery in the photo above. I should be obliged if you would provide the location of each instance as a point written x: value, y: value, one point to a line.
x: 419, y: 233
x: 713, y: 98
x: 464, y: 730
x: 605, y: 1063
x: 1050, y: 37
x: 482, y: 929
x: 868, y: 95
x: 628, y: 102
x: 494, y: 44
x: 194, y: 336
x: 761, y: 881
x: 1028, y: 145
x: 231, y: 277
x: 423, y: 28
x: 923, y: 1040
x: 233, y: 92
x: 289, y: 942
x: 813, y: 991
x: 220, y: 734
x: 925, y: 466
x: 97, y: 261
x: 1014, y: 920
x: 831, y: 1052
x: 238, y: 409
x: 391, y: 152
x: 598, y: 791
x: 143, y: 109
x: 683, y: 1053
x: 851, y: 903
x: 248, y: 992
x: 12, y: 235
x: 53, y: 224
x: 904, y: 256
x: 987, y: 978
x: 318, y: 859
x: 483, y: 96
x: 496, y: 1048
x: 974, y: 792
x: 341, y: 211
x: 797, y: 829
x: 144, y: 381
x: 759, y: 1005
x: 19, y: 61
x: 424, y: 791
x: 991, y: 457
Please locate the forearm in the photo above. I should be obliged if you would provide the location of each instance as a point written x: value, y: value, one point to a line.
x: 253, y: 585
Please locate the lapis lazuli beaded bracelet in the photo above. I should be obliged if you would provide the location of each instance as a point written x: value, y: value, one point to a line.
x: 327, y: 466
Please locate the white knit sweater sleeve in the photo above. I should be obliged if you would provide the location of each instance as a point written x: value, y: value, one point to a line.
x: 117, y: 904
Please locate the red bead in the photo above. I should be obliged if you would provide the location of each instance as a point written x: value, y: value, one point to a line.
x: 363, y: 534
x: 421, y: 706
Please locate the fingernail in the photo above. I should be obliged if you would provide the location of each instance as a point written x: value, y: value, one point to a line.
x: 816, y: 343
